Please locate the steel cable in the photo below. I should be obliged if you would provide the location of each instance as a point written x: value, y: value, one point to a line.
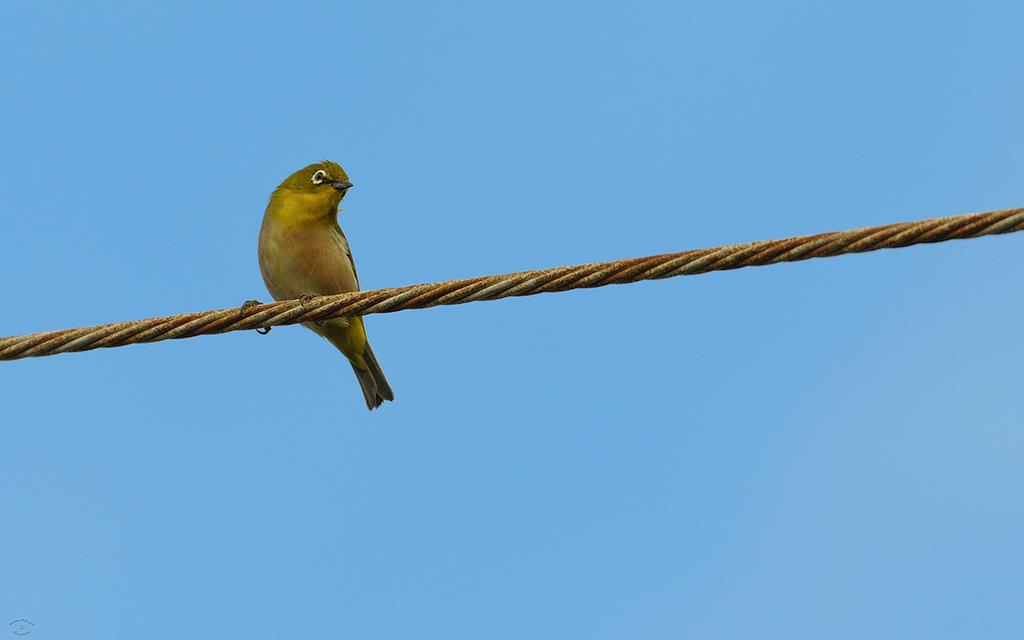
x: 525, y: 283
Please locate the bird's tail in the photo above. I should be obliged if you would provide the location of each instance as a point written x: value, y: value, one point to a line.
x: 375, y: 386
x: 349, y: 336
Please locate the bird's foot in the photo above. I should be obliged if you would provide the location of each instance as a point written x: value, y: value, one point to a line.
x: 305, y: 300
x: 248, y: 304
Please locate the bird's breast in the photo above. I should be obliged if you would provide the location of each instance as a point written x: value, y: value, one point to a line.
x: 298, y: 260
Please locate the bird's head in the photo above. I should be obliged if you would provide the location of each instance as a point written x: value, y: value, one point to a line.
x: 326, y: 179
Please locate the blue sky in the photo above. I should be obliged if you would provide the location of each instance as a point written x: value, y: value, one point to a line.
x: 824, y: 449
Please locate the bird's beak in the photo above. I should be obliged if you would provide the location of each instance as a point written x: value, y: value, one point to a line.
x: 342, y: 185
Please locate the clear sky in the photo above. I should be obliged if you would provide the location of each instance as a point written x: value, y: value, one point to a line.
x: 830, y: 449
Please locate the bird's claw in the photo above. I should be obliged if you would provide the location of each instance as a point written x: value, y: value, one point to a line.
x: 305, y: 300
x: 248, y: 304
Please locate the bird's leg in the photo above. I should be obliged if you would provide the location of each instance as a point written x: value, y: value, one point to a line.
x: 248, y: 304
x: 305, y: 299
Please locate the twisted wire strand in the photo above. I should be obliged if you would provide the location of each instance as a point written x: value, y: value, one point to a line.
x: 524, y: 283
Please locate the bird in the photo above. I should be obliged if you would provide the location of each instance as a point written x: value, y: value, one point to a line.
x: 303, y: 252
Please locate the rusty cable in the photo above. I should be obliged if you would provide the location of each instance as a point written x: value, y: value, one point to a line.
x: 524, y: 283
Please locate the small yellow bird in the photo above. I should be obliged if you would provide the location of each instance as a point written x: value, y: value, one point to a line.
x: 304, y: 252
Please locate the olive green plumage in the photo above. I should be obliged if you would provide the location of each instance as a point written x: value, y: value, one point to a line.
x: 304, y: 252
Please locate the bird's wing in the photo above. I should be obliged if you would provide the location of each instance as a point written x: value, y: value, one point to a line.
x: 347, y: 251
x: 329, y: 267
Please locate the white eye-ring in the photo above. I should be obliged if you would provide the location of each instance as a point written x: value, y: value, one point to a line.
x: 319, y: 176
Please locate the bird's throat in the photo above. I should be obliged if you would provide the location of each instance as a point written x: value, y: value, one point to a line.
x: 292, y: 207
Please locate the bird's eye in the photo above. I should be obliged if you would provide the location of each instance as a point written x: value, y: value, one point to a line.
x: 319, y: 177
